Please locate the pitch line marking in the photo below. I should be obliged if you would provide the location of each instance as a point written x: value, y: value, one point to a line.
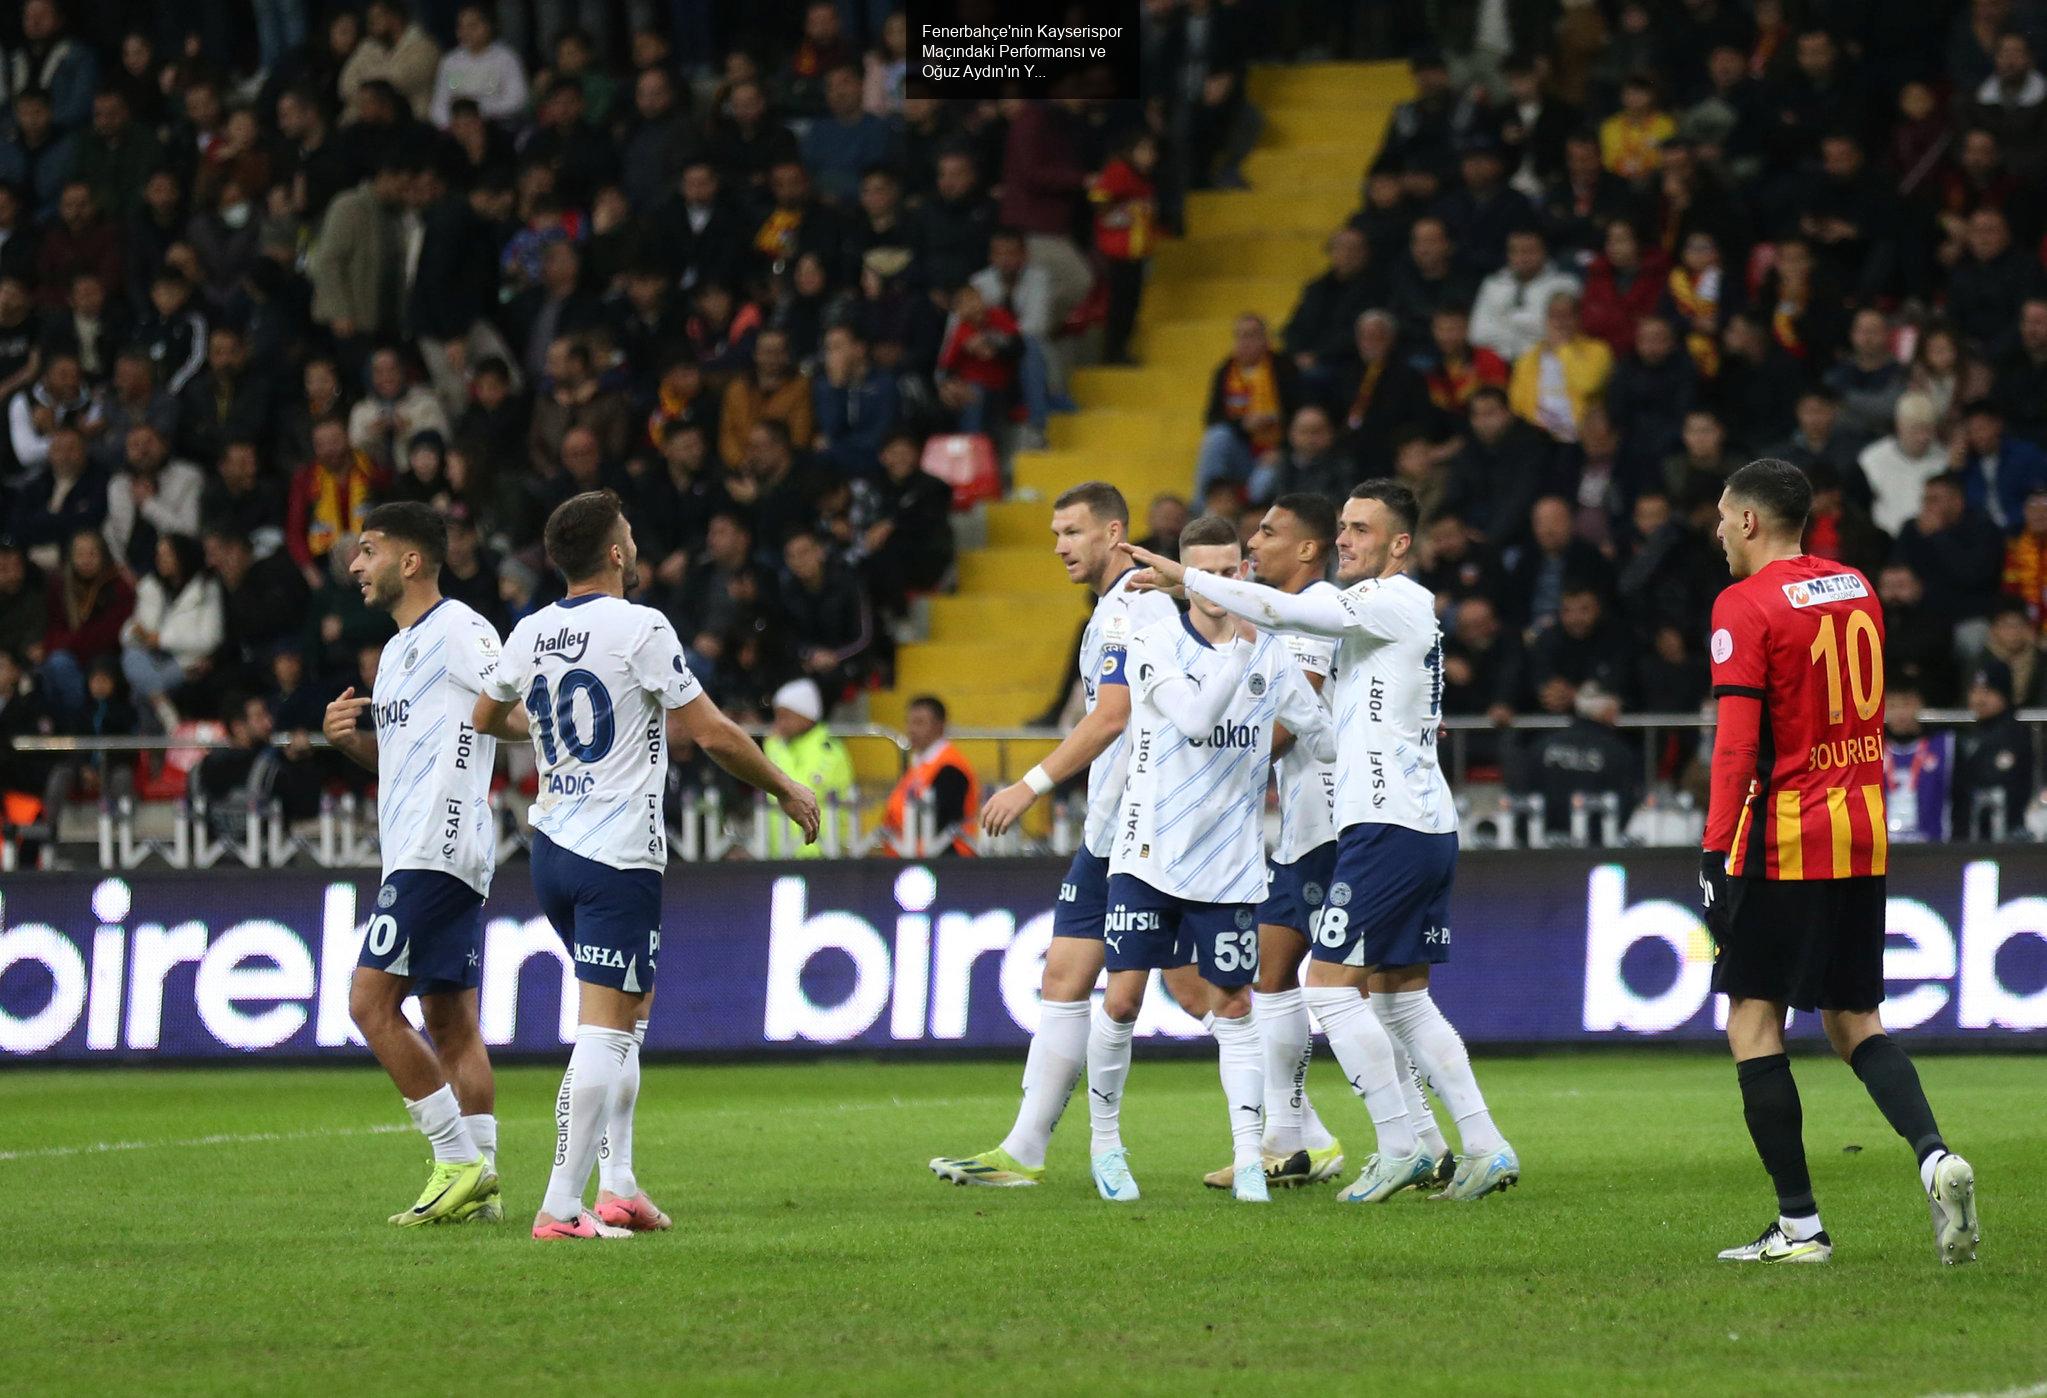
x: 393, y: 1129
x: 218, y: 1139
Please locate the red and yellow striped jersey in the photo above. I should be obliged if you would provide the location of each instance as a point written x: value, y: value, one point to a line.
x: 1801, y: 795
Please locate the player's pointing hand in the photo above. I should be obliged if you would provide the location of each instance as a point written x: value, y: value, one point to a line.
x: 1161, y: 574
x: 340, y: 720
x: 799, y: 803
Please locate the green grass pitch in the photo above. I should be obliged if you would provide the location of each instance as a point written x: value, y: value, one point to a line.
x: 813, y: 1253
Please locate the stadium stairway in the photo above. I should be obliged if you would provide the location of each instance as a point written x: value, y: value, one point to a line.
x: 997, y: 647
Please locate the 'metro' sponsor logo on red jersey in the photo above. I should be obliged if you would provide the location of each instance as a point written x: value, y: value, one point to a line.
x: 1805, y: 636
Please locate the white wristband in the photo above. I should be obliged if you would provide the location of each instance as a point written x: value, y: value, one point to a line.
x: 1038, y: 780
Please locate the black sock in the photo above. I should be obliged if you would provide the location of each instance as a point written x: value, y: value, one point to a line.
x: 1776, y: 1122
x: 1893, y: 1085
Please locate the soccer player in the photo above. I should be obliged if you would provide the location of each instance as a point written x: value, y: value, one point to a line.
x: 1290, y: 551
x: 1088, y: 522
x: 439, y: 846
x: 1385, y: 917
x: 1795, y: 849
x: 1188, y: 867
x: 603, y: 681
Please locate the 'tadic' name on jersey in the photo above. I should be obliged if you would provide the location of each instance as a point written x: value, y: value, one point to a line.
x: 1307, y: 788
x: 1192, y: 821
x: 597, y: 675
x: 433, y: 767
x: 1119, y: 615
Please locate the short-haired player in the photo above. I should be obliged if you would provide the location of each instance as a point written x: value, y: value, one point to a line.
x: 1088, y: 522
x: 1386, y: 916
x: 603, y: 684
x: 1188, y: 867
x: 1796, y: 850
x: 439, y: 848
x: 1291, y: 551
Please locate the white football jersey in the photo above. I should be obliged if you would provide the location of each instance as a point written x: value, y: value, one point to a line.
x: 1119, y: 614
x: 1307, y: 788
x: 1191, y: 821
x: 433, y: 767
x: 597, y: 675
x: 1387, y: 692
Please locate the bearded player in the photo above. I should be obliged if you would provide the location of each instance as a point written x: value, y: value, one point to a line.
x: 439, y: 849
x: 1290, y: 551
x: 602, y: 681
x: 1088, y: 522
x: 1386, y: 919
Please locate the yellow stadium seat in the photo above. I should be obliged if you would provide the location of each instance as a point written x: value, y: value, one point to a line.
x: 996, y: 648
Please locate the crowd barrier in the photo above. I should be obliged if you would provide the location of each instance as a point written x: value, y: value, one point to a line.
x: 1550, y: 947
x: 708, y: 826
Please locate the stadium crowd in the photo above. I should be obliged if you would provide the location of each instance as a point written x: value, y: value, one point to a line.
x: 245, y: 295
x: 252, y: 284
x: 1607, y: 254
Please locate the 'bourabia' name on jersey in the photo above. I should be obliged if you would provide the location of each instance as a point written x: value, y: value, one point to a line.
x: 1805, y: 636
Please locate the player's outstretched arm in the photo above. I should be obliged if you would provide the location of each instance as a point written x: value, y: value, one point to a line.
x: 1191, y: 707
x: 339, y: 724
x: 1089, y: 739
x: 728, y: 745
x: 499, y: 718
x: 1316, y: 612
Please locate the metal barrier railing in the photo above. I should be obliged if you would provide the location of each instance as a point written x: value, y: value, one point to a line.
x: 708, y: 826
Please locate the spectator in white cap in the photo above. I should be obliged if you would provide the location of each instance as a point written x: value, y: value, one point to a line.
x: 801, y: 746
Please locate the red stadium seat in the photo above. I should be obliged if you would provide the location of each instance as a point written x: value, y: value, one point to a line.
x: 966, y: 462
x: 164, y: 776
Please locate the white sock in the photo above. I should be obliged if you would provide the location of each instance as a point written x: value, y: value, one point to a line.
x: 1799, y: 1229
x: 1366, y: 1054
x: 1314, y: 1135
x: 1242, y: 1062
x: 1418, y: 1110
x: 1058, y: 1051
x: 1282, y: 1019
x: 615, y: 1151
x: 1412, y: 1018
x: 579, y: 1110
x: 439, y: 1118
x: 483, y: 1134
x: 1108, y: 1067
x: 1928, y: 1166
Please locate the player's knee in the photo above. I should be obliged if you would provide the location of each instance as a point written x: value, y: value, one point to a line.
x: 1122, y: 1003
x: 450, y: 1022
x: 371, y: 1006
x: 1755, y: 1028
x: 1233, y: 1003
x: 1277, y: 977
x: 1847, y: 1031
x: 1069, y: 976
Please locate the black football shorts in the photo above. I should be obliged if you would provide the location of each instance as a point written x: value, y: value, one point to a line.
x: 1812, y: 944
